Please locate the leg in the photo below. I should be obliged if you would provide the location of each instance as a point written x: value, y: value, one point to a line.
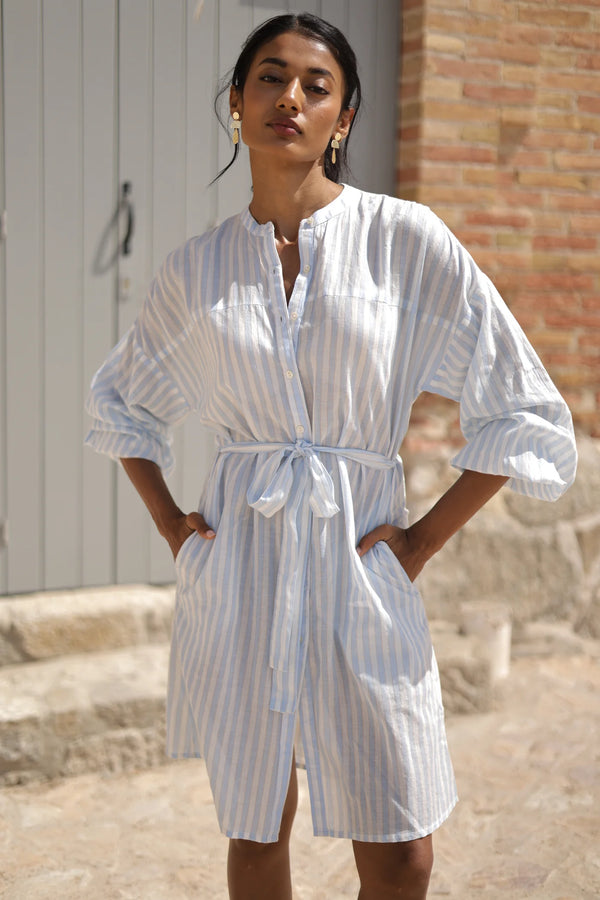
x: 389, y: 871
x: 256, y: 871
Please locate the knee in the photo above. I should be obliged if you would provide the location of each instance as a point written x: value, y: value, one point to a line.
x: 251, y: 854
x: 395, y: 870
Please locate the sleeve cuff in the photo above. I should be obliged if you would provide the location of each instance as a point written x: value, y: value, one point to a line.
x: 119, y: 445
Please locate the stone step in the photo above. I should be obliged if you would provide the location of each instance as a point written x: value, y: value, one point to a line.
x: 104, y: 710
x: 52, y: 624
x: 101, y: 711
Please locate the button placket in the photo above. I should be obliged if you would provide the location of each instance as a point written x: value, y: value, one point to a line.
x: 286, y: 345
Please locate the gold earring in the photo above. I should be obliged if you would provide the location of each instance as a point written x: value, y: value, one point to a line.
x: 335, y: 145
x: 236, y: 126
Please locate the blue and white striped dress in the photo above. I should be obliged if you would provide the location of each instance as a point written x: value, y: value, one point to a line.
x: 278, y: 620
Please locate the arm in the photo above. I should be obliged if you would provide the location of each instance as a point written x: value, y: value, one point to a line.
x: 173, y: 524
x: 416, y: 545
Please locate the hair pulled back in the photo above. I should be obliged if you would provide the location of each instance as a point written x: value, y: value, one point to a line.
x: 311, y: 27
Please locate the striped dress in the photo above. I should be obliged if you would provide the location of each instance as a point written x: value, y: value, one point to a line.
x: 279, y: 624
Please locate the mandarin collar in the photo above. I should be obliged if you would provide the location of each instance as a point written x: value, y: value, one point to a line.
x: 337, y: 206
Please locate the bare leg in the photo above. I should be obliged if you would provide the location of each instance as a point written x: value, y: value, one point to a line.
x: 391, y: 871
x: 256, y: 871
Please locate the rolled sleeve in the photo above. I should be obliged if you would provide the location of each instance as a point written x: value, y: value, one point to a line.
x: 513, y: 418
x: 137, y: 396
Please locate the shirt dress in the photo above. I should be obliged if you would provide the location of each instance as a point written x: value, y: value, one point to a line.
x: 278, y: 622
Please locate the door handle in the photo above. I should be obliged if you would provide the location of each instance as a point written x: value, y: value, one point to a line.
x: 127, y: 205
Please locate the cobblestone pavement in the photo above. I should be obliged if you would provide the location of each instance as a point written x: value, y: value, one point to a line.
x: 528, y: 824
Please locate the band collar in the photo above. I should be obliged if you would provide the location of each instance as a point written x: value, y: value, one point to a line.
x: 337, y: 205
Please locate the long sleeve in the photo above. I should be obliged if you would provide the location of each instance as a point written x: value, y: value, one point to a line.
x: 513, y: 418
x: 142, y: 390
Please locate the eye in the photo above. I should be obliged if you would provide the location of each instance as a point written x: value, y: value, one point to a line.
x: 317, y: 89
x: 270, y: 79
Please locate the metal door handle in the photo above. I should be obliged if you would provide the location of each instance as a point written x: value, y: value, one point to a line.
x: 127, y: 205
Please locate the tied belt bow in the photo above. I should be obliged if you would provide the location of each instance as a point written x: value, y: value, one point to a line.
x: 293, y: 476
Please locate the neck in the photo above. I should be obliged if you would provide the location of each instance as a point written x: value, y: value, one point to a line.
x: 286, y: 195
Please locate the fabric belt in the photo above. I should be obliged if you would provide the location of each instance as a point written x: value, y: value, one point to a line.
x: 292, y: 475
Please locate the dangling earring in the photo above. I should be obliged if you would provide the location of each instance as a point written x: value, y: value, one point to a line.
x: 335, y: 145
x: 236, y: 126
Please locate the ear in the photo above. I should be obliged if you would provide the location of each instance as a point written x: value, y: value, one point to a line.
x: 235, y: 100
x: 345, y: 121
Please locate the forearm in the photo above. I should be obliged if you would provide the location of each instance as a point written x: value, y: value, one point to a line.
x: 468, y: 494
x: 148, y: 481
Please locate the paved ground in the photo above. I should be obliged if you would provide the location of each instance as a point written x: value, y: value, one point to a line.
x: 528, y: 824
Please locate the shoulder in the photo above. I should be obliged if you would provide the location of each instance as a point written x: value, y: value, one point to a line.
x: 398, y: 217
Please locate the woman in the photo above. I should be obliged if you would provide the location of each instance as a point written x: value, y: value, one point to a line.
x: 301, y: 331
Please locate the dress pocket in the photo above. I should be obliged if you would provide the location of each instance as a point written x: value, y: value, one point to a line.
x: 191, y: 560
x: 384, y: 563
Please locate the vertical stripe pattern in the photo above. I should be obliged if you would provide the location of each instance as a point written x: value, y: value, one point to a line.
x: 278, y: 618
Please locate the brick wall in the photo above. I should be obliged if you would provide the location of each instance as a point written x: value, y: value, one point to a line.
x: 500, y: 135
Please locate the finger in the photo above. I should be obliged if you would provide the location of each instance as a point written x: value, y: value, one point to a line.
x: 197, y: 522
x: 381, y: 533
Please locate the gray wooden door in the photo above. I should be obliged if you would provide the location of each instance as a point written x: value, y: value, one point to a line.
x: 98, y: 93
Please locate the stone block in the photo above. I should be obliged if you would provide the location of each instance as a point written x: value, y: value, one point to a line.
x: 105, y: 706
x: 45, y: 625
x: 465, y: 670
x: 537, y: 572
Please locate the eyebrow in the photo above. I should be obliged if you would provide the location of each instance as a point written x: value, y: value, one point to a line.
x: 276, y: 61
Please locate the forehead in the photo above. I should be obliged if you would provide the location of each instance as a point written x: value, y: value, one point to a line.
x: 299, y: 52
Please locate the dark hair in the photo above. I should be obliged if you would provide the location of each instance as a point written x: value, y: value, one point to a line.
x: 312, y: 27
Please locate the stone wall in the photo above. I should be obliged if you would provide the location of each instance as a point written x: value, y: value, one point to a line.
x: 541, y: 559
x: 500, y: 135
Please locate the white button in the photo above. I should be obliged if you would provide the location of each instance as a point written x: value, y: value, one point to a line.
x: 294, y: 316
x: 299, y: 429
x: 289, y: 373
x: 307, y: 269
x: 310, y: 221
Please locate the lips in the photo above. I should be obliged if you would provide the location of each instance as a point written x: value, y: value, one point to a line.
x: 284, y: 126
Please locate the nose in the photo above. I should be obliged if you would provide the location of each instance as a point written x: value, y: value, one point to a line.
x: 291, y: 97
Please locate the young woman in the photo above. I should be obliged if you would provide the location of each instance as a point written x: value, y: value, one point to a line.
x: 301, y: 331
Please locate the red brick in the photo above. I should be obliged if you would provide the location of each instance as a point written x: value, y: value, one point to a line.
x: 588, y: 61
x: 409, y: 175
x: 536, y: 159
x: 460, y: 195
x: 469, y: 237
x: 585, y: 40
x: 589, y: 104
x: 498, y: 218
x: 558, y: 281
x: 491, y: 260
x: 572, y: 81
x: 548, y: 242
x: 555, y: 140
x: 590, y: 339
x: 552, y: 180
x: 555, y: 18
x: 505, y: 95
x: 585, y: 224
x: 457, y: 68
x: 460, y: 112
x: 591, y: 302
x: 519, y: 197
x: 590, y: 163
x: 497, y: 50
x: 573, y: 202
x: 461, y: 153
x: 571, y: 320
x: 409, y: 133
x: 436, y: 174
